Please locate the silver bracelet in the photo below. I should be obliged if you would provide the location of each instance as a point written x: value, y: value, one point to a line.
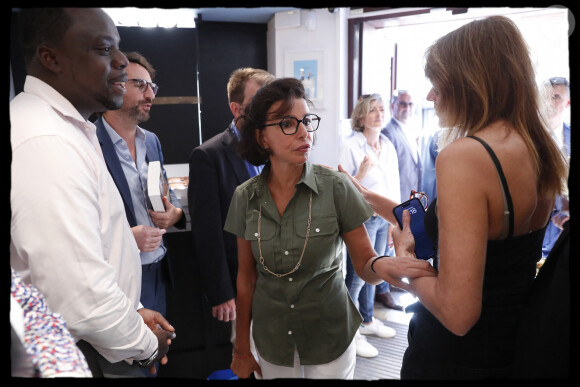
x: 376, y: 259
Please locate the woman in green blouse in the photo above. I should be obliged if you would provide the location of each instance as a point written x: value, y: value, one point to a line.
x: 290, y: 222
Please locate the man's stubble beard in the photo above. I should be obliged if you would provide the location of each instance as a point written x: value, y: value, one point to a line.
x: 138, y: 115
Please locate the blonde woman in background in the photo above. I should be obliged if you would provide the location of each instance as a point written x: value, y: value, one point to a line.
x: 371, y: 158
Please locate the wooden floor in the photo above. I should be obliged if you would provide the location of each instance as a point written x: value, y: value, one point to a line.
x: 387, y: 364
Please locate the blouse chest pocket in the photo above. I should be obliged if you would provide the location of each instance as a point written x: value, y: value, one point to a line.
x: 267, y: 228
x: 322, y: 247
x: 320, y: 227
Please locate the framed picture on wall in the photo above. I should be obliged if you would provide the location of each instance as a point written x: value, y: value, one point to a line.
x: 308, y: 66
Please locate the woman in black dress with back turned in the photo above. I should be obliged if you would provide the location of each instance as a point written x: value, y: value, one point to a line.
x: 498, y: 172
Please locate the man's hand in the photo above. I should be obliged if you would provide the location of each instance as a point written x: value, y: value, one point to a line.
x: 164, y: 341
x: 155, y: 320
x: 226, y: 311
x: 168, y: 218
x: 147, y: 238
x: 164, y: 332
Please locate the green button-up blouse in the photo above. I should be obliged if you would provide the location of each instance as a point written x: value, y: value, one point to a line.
x: 310, y: 309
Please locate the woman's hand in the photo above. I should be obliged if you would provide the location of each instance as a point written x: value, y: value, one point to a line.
x: 364, y: 167
x: 395, y: 269
x: 403, y: 239
x: 356, y: 183
x: 405, y: 264
x: 390, y: 241
x: 243, y: 366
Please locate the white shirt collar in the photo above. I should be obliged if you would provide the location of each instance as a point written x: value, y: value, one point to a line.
x: 115, y: 138
x: 43, y: 90
x: 361, y: 140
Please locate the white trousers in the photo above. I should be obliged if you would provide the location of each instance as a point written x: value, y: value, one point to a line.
x: 340, y: 368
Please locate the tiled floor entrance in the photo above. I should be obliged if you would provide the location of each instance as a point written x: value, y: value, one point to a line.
x: 387, y: 365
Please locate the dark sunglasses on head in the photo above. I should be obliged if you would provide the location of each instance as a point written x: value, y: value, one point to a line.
x: 559, y: 81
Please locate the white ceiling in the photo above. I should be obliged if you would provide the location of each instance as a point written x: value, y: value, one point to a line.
x: 240, y: 15
x: 184, y: 17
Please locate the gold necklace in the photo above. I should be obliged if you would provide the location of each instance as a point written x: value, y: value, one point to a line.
x: 303, y: 249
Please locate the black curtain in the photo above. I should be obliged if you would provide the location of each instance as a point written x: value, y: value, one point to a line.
x: 223, y: 48
x: 173, y: 54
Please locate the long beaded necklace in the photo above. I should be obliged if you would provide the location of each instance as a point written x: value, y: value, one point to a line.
x: 303, y: 249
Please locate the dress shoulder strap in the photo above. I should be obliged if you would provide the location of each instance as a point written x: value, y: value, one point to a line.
x: 508, y: 207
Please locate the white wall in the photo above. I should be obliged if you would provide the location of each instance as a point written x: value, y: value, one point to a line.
x: 545, y: 30
x: 376, y: 60
x: 330, y: 38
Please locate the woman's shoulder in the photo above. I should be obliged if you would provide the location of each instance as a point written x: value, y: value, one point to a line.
x: 499, y: 138
x: 473, y: 160
x: 329, y: 177
x: 248, y: 186
x: 463, y: 160
x: 464, y: 148
x: 326, y: 171
x: 354, y: 138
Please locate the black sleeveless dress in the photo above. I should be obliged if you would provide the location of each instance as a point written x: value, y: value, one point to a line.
x: 487, y: 350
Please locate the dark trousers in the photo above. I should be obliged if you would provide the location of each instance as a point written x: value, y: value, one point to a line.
x: 102, y: 368
x: 153, y: 287
x: 153, y: 293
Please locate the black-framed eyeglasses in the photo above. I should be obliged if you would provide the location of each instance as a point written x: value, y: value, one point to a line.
x: 142, y: 85
x: 559, y: 81
x: 422, y: 196
x: 289, y: 124
x: 405, y: 104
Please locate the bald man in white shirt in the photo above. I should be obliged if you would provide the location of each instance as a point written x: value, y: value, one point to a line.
x: 69, y: 234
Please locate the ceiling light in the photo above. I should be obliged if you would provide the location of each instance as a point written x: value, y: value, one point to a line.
x: 152, y: 17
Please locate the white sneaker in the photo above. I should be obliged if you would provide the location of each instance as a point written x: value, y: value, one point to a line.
x: 377, y: 328
x: 363, y: 347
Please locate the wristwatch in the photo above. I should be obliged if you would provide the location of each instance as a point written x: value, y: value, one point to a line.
x: 148, y: 362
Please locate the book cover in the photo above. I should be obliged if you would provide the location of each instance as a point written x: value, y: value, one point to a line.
x: 157, y: 186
